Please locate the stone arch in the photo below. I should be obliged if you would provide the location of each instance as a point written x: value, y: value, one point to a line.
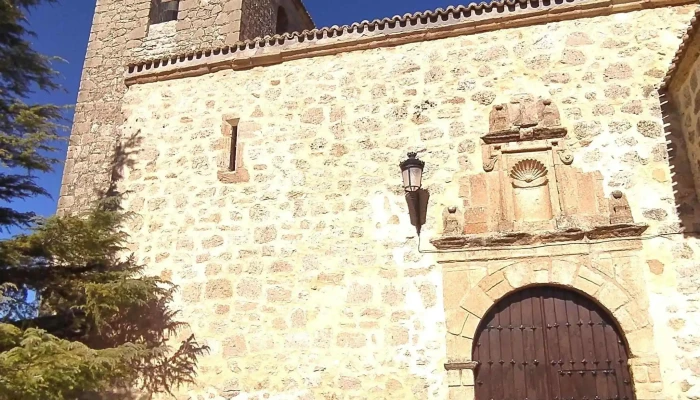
x: 606, y: 289
x: 499, y: 329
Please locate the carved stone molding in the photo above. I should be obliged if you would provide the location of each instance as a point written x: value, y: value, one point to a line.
x: 534, y: 238
x: 461, y: 365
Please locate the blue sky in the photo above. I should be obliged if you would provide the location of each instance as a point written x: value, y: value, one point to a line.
x: 63, y: 31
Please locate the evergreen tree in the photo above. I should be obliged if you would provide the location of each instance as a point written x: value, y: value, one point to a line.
x: 78, y: 318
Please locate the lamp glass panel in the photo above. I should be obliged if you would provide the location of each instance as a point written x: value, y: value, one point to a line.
x: 406, y: 179
x: 412, y: 178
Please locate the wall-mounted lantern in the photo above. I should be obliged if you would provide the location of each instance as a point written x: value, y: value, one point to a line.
x: 416, y: 196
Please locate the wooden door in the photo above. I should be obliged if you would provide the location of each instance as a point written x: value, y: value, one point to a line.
x: 548, y: 343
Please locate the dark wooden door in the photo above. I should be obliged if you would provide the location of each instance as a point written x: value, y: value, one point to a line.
x: 548, y: 343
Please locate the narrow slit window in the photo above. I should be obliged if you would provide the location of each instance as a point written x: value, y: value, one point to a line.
x: 234, y: 147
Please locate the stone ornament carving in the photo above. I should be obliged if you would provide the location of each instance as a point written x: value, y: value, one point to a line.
x: 530, y: 191
x: 528, y: 173
x: 566, y: 156
x: 452, y: 222
x: 548, y: 114
x: 490, y: 161
x: 620, y: 212
x: 499, y: 119
x: 531, y: 197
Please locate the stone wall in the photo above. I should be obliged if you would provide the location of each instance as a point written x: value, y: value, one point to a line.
x: 260, y: 18
x: 120, y: 35
x: 683, y: 118
x: 685, y: 95
x: 305, y: 277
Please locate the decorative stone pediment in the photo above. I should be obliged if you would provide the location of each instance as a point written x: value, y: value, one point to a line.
x: 524, y: 118
x: 529, y: 191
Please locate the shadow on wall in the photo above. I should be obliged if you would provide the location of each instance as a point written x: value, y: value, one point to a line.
x: 682, y: 179
x: 125, y: 152
x: 154, y: 326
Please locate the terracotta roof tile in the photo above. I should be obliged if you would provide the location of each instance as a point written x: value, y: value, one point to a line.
x: 419, y: 18
x: 193, y: 62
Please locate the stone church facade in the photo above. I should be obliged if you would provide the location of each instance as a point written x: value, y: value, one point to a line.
x: 560, y: 255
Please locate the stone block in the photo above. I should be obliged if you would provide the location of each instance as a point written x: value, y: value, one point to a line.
x: 454, y: 378
x: 649, y: 390
x: 641, y: 341
x: 477, y: 302
x: 218, y: 289
x: 469, y: 328
x: 467, y: 377
x: 358, y: 293
x: 455, y: 319
x: 249, y: 288
x: 586, y: 286
x: 265, y: 234
x: 353, y: 340
x: 396, y: 336
x: 461, y: 393
x: 612, y: 297
x: 470, y: 229
x: 639, y: 374
x: 605, y: 266
x: 492, y: 280
x: 192, y: 292
x: 587, y: 188
x: 278, y: 295
x: 656, y: 267
x: 639, y: 314
x: 654, y: 373
x: 519, y: 274
x: 455, y: 284
x: 500, y: 290
x: 476, y: 215
x: 625, y: 319
x: 478, y: 190
x: 563, y: 272
x: 234, y: 346
x: 591, y: 276
x: 494, y: 266
x: 541, y: 277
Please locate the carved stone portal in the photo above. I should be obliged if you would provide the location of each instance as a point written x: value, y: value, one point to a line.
x: 529, y: 191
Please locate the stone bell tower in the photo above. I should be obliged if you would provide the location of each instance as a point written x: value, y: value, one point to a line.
x: 129, y: 31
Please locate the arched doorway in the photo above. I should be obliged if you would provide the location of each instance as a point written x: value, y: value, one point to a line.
x: 550, y: 343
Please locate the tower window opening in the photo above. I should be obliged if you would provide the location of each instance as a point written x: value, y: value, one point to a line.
x: 282, y: 21
x: 163, y: 11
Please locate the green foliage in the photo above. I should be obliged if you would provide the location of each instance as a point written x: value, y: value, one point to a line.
x: 101, y: 326
x: 27, y: 131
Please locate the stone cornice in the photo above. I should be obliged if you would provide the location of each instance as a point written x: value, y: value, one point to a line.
x: 410, y: 28
x: 687, y: 53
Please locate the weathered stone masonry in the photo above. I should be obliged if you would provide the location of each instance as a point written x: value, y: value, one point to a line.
x: 121, y: 35
x: 301, y: 271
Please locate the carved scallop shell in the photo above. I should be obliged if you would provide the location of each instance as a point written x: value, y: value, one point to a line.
x: 528, y: 171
